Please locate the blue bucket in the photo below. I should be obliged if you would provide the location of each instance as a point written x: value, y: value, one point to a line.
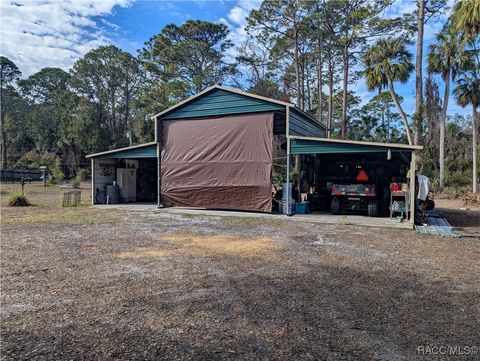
x: 302, y: 207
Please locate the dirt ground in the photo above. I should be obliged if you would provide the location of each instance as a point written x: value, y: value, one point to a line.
x: 464, y: 218
x: 87, y: 283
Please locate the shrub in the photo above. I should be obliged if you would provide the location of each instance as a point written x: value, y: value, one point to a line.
x: 452, y: 192
x: 35, y: 160
x: 459, y: 178
x: 471, y: 199
x: 18, y: 199
x: 81, y: 176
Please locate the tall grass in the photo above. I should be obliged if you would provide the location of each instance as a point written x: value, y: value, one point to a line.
x: 17, y: 198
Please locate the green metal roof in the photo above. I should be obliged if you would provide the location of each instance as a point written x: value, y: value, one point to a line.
x: 148, y: 150
x: 302, y: 146
x: 218, y: 102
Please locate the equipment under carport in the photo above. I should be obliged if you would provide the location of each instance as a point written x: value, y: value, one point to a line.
x: 359, y: 196
x: 354, y: 197
x: 127, y: 181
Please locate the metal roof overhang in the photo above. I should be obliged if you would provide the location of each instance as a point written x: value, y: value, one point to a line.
x: 147, y: 150
x: 310, y: 145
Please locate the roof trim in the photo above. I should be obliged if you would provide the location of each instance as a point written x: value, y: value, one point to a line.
x: 228, y: 89
x: 358, y: 142
x: 120, y: 149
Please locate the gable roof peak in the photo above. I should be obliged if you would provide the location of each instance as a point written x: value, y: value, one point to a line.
x: 224, y: 88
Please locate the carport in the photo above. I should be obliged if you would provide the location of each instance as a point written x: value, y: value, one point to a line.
x: 326, y: 161
x: 134, y: 168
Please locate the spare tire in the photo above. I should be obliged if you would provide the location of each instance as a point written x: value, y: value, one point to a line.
x: 335, y: 207
x: 373, y: 208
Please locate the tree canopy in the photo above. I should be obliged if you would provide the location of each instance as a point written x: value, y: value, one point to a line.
x: 312, y: 53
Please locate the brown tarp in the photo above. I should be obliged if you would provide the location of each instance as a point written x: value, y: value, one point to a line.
x: 222, y: 163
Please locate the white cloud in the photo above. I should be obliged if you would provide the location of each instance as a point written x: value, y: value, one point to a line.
x: 237, y: 15
x: 38, y: 34
x: 400, y: 8
x: 237, y: 22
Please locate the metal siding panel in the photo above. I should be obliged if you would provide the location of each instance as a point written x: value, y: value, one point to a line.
x: 221, y: 102
x: 303, y: 126
x: 222, y: 105
x: 101, y: 180
x: 219, y: 112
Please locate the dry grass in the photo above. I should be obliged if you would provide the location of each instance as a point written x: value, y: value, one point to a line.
x: 47, y: 207
x: 225, y: 244
x: 471, y: 199
x: 144, y: 252
x: 194, y: 245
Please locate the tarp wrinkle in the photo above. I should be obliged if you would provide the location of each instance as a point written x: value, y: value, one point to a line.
x: 223, y: 163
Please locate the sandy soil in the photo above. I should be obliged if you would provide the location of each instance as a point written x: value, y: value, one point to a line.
x: 110, y: 285
x: 464, y: 218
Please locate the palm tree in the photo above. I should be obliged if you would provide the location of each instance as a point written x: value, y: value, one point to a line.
x: 446, y: 57
x: 466, y: 17
x: 467, y: 92
x: 387, y: 61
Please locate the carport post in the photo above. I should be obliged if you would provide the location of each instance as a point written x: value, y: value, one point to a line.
x: 93, y: 180
x: 158, y: 177
x: 287, y: 132
x: 158, y: 139
x: 413, y: 166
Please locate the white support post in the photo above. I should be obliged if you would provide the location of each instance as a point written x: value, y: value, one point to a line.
x: 413, y: 175
x: 287, y: 132
x: 158, y: 139
x: 155, y: 121
x: 93, y: 180
x: 159, y: 171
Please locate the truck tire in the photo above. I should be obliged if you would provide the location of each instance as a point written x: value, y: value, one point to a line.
x: 335, y: 207
x: 373, y: 208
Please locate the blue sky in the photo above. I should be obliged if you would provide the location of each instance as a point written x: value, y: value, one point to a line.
x: 145, y: 18
x: 55, y: 33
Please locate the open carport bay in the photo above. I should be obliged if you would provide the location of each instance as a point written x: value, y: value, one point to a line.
x: 348, y: 177
x: 342, y: 169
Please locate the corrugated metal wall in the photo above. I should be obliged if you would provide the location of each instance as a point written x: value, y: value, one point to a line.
x: 221, y: 102
x: 105, y: 172
x: 301, y: 125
